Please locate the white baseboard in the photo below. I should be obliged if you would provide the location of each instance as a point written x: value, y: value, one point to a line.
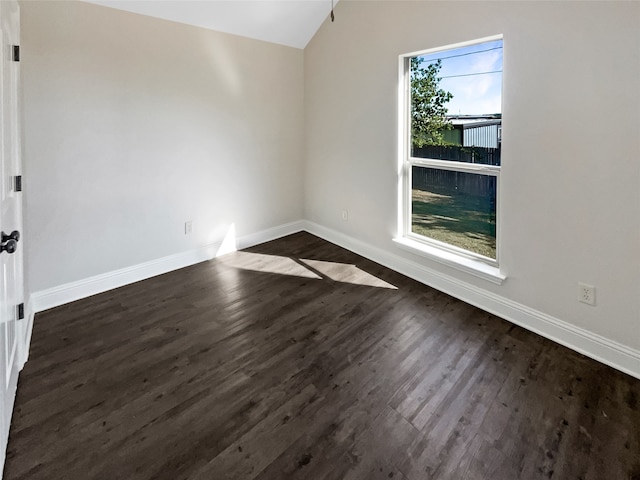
x: 269, y: 234
x: 69, y: 292
x: 590, y: 344
x: 606, y: 351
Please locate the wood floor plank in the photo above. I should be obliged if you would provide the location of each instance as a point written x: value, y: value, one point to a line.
x: 297, y: 359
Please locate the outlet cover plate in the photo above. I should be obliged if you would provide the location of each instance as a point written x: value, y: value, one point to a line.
x: 586, y: 294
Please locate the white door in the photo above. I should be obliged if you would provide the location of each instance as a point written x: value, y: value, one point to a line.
x: 11, y: 283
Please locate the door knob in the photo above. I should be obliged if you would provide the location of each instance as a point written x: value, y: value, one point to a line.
x: 15, y: 235
x: 9, y: 242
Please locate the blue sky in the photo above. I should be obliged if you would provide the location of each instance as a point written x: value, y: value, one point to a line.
x: 472, y: 94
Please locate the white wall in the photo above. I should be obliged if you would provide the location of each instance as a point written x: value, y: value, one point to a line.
x: 570, y: 201
x: 133, y: 125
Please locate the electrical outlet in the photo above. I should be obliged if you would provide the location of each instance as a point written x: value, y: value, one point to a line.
x: 345, y: 215
x: 586, y: 294
x: 188, y: 227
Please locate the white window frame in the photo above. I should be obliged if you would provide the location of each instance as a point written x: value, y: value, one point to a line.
x: 470, y: 262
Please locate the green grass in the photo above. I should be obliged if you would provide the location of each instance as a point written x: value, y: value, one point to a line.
x: 465, y: 221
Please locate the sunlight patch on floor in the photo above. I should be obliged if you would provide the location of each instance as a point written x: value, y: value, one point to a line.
x: 315, y: 269
x: 347, y: 273
x: 259, y: 262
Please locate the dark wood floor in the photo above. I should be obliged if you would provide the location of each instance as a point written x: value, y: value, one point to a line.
x: 297, y: 359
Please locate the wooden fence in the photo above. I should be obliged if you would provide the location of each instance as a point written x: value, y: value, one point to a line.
x: 448, y: 182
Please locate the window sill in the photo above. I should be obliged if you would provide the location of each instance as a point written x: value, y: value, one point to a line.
x: 467, y: 265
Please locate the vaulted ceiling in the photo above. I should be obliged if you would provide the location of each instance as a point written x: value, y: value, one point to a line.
x: 286, y: 22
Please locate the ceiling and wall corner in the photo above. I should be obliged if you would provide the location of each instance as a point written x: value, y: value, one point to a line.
x: 286, y: 22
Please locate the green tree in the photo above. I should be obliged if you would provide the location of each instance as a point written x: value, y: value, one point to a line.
x: 428, y: 110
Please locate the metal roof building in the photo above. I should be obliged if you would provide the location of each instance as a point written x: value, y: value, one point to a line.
x: 476, y: 131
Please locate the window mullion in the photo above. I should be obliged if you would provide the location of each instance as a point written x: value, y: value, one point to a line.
x: 455, y: 166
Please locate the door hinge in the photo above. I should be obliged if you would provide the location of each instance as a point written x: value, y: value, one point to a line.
x: 16, y: 53
x: 18, y: 183
x: 21, y: 311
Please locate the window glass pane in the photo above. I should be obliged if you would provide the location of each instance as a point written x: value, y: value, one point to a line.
x: 456, y: 208
x: 456, y: 104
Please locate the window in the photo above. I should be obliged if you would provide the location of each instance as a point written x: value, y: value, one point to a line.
x: 451, y: 124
